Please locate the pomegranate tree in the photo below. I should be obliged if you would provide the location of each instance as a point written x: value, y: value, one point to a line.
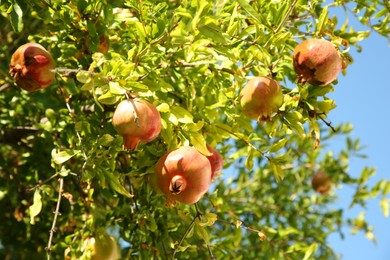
x: 321, y: 182
x: 216, y: 162
x: 183, y: 175
x: 316, y: 61
x: 31, y: 67
x: 136, y: 120
x: 261, y: 98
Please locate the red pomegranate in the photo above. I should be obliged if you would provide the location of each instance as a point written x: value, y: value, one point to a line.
x: 183, y: 175
x: 260, y: 98
x: 316, y: 61
x: 321, y: 182
x: 136, y: 120
x: 31, y: 66
x: 216, y: 162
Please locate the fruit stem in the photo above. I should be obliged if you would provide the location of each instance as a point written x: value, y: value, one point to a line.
x: 198, y: 212
x: 134, y: 111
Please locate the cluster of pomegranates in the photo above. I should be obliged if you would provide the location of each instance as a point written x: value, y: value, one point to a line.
x: 316, y: 61
x: 184, y: 174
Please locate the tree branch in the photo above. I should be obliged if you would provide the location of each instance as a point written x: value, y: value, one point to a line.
x: 56, y: 213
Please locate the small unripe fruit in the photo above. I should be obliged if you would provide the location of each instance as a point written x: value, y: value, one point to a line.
x: 321, y: 183
x: 102, y: 247
x: 136, y: 120
x: 31, y: 66
x: 216, y: 162
x: 316, y: 61
x: 183, y: 175
x: 261, y: 98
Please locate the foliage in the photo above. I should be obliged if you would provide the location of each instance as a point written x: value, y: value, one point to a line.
x: 190, y: 59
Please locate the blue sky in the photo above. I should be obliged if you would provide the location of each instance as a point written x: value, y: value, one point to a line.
x: 362, y: 99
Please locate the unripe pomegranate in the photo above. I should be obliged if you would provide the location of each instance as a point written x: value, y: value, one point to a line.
x: 102, y: 247
x: 260, y: 98
x: 31, y: 66
x: 316, y: 61
x: 216, y: 162
x: 321, y: 182
x: 183, y: 175
x: 136, y: 120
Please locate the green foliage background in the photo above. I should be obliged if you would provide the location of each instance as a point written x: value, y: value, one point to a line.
x: 190, y: 59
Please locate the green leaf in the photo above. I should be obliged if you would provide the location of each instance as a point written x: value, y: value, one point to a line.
x: 385, y: 205
x: 141, y: 30
x: 106, y: 140
x: 36, y: 207
x: 315, y: 128
x: 213, y: 32
x: 63, y: 156
x: 278, y: 145
x: 326, y: 106
x: 310, y: 251
x: 202, y: 233
x: 293, y: 122
x: 115, y: 184
x: 182, y: 115
x: 198, y: 141
x: 253, y: 13
x: 84, y: 77
x: 201, y: 6
x: 116, y: 89
x: 163, y: 108
x: 108, y: 98
x: 16, y: 17
x: 322, y: 20
x: 194, y: 127
x: 277, y: 171
x: 287, y: 231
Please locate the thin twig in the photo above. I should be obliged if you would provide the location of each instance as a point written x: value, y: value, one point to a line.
x: 198, y: 212
x: 197, y: 216
x: 72, y: 115
x: 4, y: 87
x: 68, y: 71
x: 246, y: 141
x: 56, y: 213
x: 286, y: 15
x: 43, y: 182
x: 184, y: 236
x: 210, y: 252
x: 329, y: 124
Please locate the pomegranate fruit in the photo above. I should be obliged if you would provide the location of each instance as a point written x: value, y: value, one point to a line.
x: 31, y: 66
x: 316, y: 61
x: 260, y: 98
x: 101, y: 248
x: 183, y: 175
x: 136, y: 120
x: 216, y: 162
x: 321, y: 182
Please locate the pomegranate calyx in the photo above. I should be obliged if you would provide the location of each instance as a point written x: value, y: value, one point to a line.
x: 177, y: 185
